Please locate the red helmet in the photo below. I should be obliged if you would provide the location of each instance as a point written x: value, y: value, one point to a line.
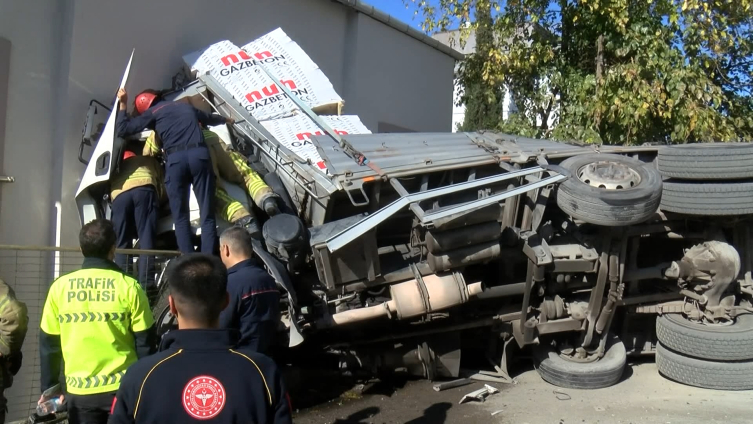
x: 128, y: 154
x: 144, y: 101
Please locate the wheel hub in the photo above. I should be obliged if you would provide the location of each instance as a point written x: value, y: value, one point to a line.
x: 166, y: 322
x: 609, y: 175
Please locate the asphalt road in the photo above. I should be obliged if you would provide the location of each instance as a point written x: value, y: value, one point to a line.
x: 642, y: 397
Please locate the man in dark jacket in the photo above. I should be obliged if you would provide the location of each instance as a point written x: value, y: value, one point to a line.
x: 198, y: 375
x: 187, y: 159
x: 254, y: 307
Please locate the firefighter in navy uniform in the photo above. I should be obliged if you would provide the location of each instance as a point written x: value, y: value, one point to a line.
x: 97, y: 322
x: 254, y: 307
x: 187, y: 159
x: 198, y: 375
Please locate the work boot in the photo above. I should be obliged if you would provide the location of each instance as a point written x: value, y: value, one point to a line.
x: 249, y: 224
x: 270, y: 206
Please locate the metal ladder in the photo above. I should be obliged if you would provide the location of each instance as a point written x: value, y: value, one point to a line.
x: 298, y: 169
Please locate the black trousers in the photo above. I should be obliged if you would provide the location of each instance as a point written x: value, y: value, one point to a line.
x: 184, y: 169
x: 134, y: 214
x: 89, y: 409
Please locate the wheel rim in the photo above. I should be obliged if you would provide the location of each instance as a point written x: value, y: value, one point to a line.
x: 166, y: 322
x: 609, y: 175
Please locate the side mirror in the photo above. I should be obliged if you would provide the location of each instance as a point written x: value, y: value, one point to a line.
x: 92, y: 129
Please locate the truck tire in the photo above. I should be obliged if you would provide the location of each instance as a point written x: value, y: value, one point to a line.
x: 715, y: 343
x: 561, y: 372
x: 707, y: 161
x: 717, y: 199
x: 615, y: 191
x: 704, y: 374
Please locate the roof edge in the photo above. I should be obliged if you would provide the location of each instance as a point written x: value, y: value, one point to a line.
x: 401, y: 26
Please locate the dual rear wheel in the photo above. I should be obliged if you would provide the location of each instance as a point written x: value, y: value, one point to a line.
x: 711, y: 356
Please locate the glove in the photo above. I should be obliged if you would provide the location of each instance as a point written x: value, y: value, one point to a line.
x: 270, y: 206
x: 250, y: 225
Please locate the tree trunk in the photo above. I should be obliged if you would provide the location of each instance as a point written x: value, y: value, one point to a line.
x: 599, y: 82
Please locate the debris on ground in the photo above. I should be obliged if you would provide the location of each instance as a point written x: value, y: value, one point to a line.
x: 561, y: 395
x: 452, y: 384
x: 480, y: 394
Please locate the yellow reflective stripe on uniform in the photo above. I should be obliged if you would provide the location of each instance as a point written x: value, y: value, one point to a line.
x: 254, y: 182
x: 92, y: 317
x: 141, y: 390
x: 141, y: 172
x: 151, y: 147
x: 96, y: 381
x: 228, y: 208
x: 263, y: 379
x: 4, y: 301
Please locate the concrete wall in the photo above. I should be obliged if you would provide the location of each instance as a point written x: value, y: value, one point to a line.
x: 383, y: 75
x: 397, y: 80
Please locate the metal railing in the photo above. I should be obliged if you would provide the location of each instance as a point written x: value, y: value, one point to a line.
x: 29, y: 271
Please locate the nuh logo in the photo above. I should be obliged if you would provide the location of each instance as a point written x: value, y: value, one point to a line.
x: 269, y: 91
x: 234, y: 58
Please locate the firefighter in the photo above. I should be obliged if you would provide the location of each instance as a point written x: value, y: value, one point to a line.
x: 135, y: 192
x: 254, y: 307
x: 98, y: 322
x: 198, y: 375
x: 14, y: 322
x: 232, y: 167
x: 187, y: 159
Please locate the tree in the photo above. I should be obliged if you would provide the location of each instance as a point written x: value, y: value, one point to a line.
x: 483, y: 102
x: 607, y: 71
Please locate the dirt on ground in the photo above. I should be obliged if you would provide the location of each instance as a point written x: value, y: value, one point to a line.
x: 642, y: 397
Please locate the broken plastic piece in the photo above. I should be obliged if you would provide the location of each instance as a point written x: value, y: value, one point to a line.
x: 480, y: 394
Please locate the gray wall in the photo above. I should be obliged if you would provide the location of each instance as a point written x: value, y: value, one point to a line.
x: 383, y: 75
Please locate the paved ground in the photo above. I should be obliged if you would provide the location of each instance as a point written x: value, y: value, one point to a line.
x: 643, y: 397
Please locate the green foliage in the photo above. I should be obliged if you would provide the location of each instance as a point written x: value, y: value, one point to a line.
x: 606, y: 71
x: 483, y: 102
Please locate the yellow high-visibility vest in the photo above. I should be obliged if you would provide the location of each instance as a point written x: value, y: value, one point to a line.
x: 95, y: 312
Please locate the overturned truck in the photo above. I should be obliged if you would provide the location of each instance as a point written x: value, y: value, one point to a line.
x: 405, y: 250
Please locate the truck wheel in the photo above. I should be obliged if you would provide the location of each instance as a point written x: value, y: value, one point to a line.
x: 705, y: 374
x: 707, y: 161
x: 717, y: 199
x: 562, y: 372
x: 609, y: 190
x: 164, y: 320
x: 733, y: 342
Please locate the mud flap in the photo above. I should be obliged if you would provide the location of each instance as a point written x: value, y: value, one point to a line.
x: 280, y: 274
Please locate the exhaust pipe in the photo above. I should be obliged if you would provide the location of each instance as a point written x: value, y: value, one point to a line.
x: 411, y: 299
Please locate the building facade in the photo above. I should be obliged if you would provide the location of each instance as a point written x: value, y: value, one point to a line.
x: 55, y: 56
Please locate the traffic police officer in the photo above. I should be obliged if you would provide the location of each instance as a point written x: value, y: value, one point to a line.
x: 135, y: 193
x: 188, y: 160
x: 98, y: 321
x: 254, y: 307
x: 198, y: 375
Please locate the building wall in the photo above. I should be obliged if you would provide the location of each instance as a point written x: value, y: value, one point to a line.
x: 383, y: 75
